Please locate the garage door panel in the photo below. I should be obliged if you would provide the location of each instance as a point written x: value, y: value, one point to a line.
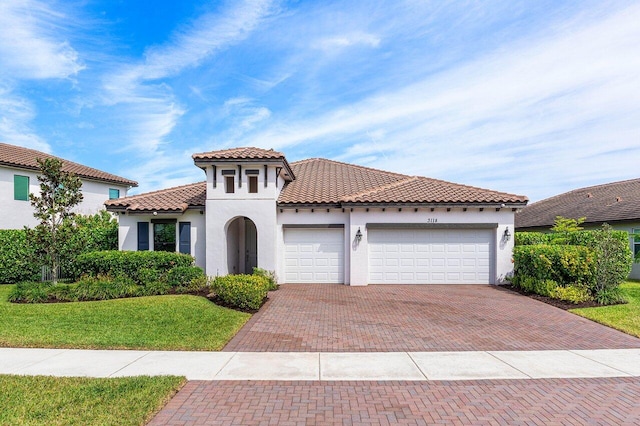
x: 314, y: 255
x: 423, y: 256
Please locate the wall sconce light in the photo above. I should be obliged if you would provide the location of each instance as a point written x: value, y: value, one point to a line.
x: 507, y: 235
x: 358, y: 235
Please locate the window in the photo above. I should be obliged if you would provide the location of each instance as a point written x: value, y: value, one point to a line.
x: 184, y: 236
x: 21, y: 188
x: 164, y: 236
x: 253, y: 184
x: 229, y: 184
x: 636, y: 242
x: 114, y: 193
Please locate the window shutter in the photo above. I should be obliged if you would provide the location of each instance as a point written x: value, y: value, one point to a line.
x: 143, y: 236
x: 20, y: 188
x: 184, y: 235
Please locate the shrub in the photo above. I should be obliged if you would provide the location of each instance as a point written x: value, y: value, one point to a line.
x: 14, y: 258
x: 614, y: 259
x: 147, y: 276
x: 270, y: 275
x: 241, y: 291
x: 129, y: 263
x: 563, y: 264
x: 181, y: 276
x: 610, y: 296
x: 530, y: 238
x: 30, y: 292
x: 571, y: 293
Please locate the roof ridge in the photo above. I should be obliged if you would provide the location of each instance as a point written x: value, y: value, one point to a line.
x: 386, y: 172
x: 64, y: 161
x: 158, y: 191
x: 384, y: 187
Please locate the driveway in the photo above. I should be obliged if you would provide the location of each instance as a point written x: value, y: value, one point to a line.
x: 392, y: 318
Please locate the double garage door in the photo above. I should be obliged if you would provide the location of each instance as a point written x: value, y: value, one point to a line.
x: 396, y: 256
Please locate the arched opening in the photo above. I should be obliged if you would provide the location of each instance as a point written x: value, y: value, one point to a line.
x: 242, y: 246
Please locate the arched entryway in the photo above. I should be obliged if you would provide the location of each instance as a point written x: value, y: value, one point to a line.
x: 242, y: 246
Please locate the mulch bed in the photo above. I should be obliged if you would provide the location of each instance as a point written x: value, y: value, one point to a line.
x: 548, y: 300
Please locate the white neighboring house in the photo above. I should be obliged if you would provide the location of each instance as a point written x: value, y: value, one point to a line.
x: 322, y: 221
x: 19, y: 177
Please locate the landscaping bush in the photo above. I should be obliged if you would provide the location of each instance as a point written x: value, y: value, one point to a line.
x: 129, y: 263
x: 530, y: 238
x: 270, y: 275
x: 614, y: 260
x: 182, y: 276
x: 571, y: 293
x: 15, y: 258
x: 30, y: 292
x: 564, y: 264
x: 241, y: 291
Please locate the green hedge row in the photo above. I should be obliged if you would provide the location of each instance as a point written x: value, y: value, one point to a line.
x: 15, y: 255
x: 578, y: 238
x: 562, y: 264
x: 137, y: 265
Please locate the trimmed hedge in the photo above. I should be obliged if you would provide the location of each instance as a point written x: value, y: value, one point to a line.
x: 578, y: 238
x: 133, y: 264
x: 563, y: 264
x: 241, y: 291
x: 181, y: 276
x: 15, y: 258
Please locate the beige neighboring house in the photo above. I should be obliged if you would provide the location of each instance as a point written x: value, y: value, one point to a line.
x: 19, y: 177
x: 616, y: 203
x: 323, y: 221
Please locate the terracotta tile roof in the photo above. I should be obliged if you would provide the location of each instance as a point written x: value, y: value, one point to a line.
x: 25, y: 158
x: 321, y: 181
x: 248, y: 153
x: 611, y: 202
x: 177, y: 199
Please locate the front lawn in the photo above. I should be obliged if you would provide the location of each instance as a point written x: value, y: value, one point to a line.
x: 40, y: 400
x: 176, y: 322
x: 622, y: 317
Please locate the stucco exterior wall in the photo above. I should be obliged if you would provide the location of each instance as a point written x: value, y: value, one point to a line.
x: 128, y: 232
x: 16, y: 214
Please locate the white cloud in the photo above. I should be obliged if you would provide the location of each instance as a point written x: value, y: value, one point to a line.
x: 31, y: 46
x: 347, y: 40
x: 15, y: 115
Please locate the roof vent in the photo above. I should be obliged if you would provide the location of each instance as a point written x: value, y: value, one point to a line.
x: 618, y: 199
x: 589, y: 195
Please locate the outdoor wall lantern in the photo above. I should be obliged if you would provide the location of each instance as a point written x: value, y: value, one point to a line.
x: 358, y: 235
x: 507, y: 234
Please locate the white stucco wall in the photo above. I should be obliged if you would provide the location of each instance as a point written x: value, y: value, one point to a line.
x: 16, y: 214
x: 128, y: 232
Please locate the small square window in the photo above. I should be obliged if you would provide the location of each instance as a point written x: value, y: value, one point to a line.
x: 253, y: 184
x: 114, y: 193
x: 21, y: 188
x: 229, y: 184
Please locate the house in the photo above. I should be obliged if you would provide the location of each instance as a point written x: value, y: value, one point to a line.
x: 616, y: 203
x: 19, y: 177
x: 323, y: 221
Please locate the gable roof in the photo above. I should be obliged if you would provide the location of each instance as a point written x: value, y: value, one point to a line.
x: 25, y: 158
x: 610, y: 202
x: 249, y: 154
x: 170, y: 200
x: 325, y: 182
x: 322, y: 181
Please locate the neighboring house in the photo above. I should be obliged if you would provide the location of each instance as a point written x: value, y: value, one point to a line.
x: 19, y: 177
x: 616, y: 203
x: 322, y: 221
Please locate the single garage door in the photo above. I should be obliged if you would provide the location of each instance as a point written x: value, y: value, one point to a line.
x: 314, y: 255
x: 430, y: 256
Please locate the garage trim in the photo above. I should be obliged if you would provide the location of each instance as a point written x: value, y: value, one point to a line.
x: 314, y: 226
x: 432, y: 226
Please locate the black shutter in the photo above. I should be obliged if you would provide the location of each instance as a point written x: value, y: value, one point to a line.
x: 143, y: 236
x: 184, y: 235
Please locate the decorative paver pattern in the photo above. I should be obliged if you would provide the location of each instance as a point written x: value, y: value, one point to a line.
x: 541, y: 402
x: 336, y: 318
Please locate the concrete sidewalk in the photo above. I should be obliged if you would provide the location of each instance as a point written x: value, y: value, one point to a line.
x: 289, y: 366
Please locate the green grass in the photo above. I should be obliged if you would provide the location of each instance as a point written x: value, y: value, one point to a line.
x: 181, y: 322
x: 621, y: 317
x: 39, y: 400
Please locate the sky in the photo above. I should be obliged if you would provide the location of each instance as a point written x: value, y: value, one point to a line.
x: 526, y: 97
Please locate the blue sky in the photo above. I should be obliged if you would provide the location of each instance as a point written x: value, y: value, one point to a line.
x: 528, y: 97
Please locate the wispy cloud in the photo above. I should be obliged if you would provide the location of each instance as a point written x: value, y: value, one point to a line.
x: 15, y: 115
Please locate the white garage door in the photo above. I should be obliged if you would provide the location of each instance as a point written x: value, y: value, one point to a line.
x: 314, y: 255
x: 430, y: 256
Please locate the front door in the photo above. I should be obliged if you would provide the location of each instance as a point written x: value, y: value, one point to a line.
x: 251, y: 246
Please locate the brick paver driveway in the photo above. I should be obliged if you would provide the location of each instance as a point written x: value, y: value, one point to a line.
x: 324, y: 317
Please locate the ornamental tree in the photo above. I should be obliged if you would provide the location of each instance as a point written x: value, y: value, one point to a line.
x: 59, y: 194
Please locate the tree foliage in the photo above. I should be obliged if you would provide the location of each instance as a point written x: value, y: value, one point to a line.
x: 59, y: 194
x: 565, y: 224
